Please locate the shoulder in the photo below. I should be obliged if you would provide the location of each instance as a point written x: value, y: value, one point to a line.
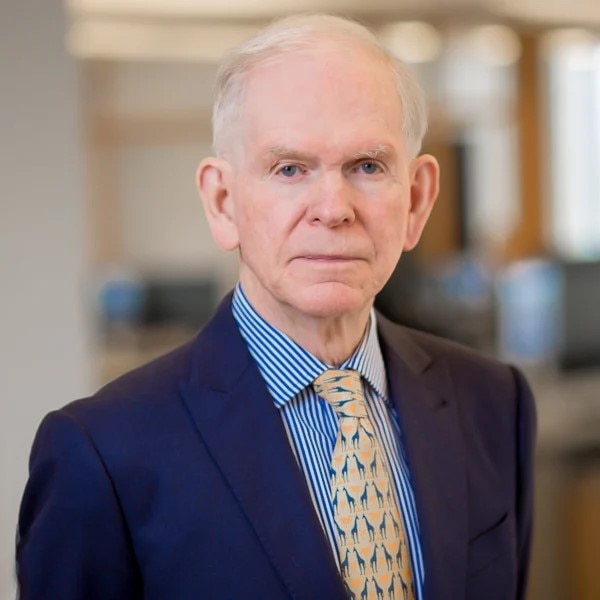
x: 478, y: 381
x: 419, y: 349
x: 150, y: 384
x: 156, y: 386
x: 127, y: 416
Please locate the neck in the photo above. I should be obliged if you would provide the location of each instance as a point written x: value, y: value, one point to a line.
x: 331, y: 339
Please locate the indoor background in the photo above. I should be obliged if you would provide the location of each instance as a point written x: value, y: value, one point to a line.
x: 106, y: 259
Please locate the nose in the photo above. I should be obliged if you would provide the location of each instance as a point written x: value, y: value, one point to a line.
x: 332, y: 201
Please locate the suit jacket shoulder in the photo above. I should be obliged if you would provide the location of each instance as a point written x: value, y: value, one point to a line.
x: 163, y: 480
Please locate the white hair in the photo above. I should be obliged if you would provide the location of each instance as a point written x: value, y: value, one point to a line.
x: 300, y: 32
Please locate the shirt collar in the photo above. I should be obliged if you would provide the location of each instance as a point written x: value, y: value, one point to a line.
x: 287, y: 367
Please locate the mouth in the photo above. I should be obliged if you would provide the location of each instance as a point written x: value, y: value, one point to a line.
x: 329, y: 258
x: 328, y: 262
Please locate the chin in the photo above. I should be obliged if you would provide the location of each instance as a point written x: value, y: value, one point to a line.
x: 331, y: 300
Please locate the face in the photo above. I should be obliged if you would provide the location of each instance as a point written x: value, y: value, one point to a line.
x: 320, y: 197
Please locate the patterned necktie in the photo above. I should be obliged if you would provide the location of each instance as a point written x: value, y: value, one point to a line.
x: 372, y: 541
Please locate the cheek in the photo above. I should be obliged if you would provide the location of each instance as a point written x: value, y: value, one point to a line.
x: 266, y: 219
x: 388, y: 235
x: 262, y: 239
x: 390, y: 224
x: 254, y: 223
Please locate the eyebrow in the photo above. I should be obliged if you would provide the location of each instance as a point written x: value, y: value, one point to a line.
x: 382, y: 151
x: 278, y: 151
x: 286, y: 152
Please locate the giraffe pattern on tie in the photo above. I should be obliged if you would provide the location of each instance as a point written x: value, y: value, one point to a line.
x: 371, y: 536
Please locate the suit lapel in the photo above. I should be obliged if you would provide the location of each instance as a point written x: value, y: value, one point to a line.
x: 244, y: 433
x: 422, y: 392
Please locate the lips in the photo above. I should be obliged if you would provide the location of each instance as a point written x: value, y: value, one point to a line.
x: 329, y: 257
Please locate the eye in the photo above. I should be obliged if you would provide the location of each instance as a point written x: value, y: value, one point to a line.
x: 369, y: 167
x: 289, y: 170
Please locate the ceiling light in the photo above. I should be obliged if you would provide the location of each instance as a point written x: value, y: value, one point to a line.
x: 496, y: 45
x: 412, y: 41
x: 569, y: 37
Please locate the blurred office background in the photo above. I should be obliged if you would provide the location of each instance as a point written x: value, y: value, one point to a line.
x: 106, y: 259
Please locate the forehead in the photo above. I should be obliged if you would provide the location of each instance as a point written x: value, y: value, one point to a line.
x: 333, y: 96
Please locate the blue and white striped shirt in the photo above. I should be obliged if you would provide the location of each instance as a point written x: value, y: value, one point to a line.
x: 311, y: 423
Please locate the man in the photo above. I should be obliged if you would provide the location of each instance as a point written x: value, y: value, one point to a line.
x: 301, y: 446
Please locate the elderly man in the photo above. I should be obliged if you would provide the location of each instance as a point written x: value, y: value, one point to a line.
x: 301, y: 446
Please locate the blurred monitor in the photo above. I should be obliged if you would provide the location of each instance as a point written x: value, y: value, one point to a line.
x: 528, y: 311
x: 580, y: 332
x: 188, y: 302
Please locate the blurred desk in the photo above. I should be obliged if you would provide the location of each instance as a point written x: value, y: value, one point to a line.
x: 568, y: 407
x: 566, y: 542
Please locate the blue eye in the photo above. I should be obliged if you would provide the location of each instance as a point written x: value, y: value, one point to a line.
x: 289, y: 170
x: 369, y: 167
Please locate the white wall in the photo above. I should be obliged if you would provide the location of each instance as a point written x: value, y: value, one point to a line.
x: 43, y: 338
x: 163, y: 223
x: 158, y: 215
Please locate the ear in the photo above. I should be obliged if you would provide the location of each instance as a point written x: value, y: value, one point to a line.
x: 424, y: 187
x: 214, y: 180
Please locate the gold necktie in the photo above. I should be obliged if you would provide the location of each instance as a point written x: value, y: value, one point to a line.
x: 372, y: 541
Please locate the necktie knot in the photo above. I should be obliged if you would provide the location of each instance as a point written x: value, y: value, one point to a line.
x: 343, y: 390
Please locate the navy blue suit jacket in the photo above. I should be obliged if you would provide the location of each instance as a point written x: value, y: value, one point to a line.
x: 177, y: 480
